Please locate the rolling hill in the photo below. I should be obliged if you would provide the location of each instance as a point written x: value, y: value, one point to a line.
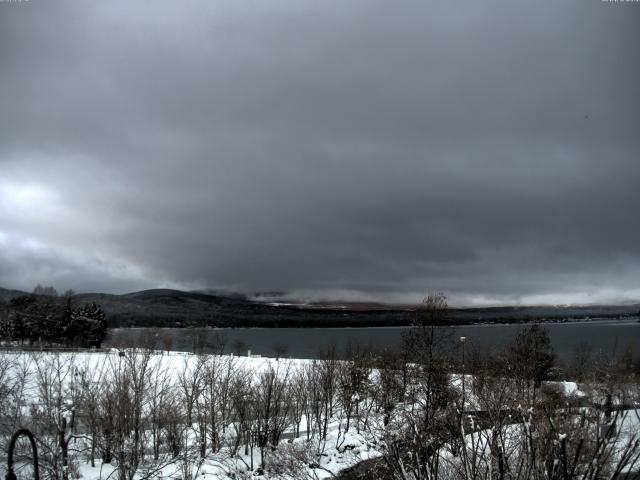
x: 175, y: 308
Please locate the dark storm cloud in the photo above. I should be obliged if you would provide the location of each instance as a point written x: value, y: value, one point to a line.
x: 372, y: 149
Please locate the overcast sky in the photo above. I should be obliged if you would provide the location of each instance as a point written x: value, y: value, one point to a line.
x: 334, y: 149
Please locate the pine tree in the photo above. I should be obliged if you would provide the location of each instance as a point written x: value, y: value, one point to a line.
x: 92, y: 320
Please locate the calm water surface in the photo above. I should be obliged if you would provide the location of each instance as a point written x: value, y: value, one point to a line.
x: 608, y: 336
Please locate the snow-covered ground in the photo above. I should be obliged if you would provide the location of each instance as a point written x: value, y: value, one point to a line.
x: 338, y: 451
x: 307, y: 456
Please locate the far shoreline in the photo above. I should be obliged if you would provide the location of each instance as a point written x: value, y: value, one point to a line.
x: 626, y: 321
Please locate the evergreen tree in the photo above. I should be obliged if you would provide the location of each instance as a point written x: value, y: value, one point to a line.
x: 92, y: 321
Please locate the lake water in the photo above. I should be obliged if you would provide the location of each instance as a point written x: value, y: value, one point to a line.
x: 608, y: 336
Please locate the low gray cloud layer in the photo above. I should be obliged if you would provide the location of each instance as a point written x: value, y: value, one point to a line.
x: 367, y: 149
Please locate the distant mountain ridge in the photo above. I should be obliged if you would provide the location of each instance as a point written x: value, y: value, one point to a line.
x: 6, y: 295
x: 176, y: 308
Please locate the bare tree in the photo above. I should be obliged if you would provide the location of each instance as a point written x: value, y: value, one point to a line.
x: 352, y: 383
x: 530, y: 359
x: 217, y: 396
x: 299, y: 398
x: 160, y: 402
x: 91, y: 377
x: 271, y: 407
x: 190, y: 381
x: 129, y: 384
x: 279, y: 350
x: 58, y: 394
x: 241, y: 396
x: 14, y: 379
